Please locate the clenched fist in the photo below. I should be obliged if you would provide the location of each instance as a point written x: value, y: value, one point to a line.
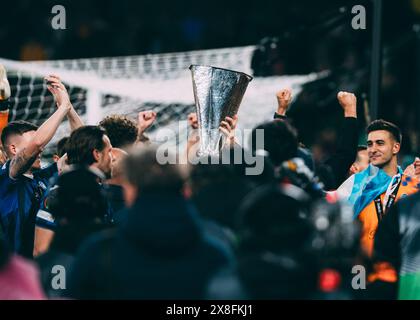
x: 284, y: 97
x: 348, y: 102
x: 145, y: 120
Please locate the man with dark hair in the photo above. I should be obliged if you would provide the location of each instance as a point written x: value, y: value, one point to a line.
x: 381, y: 124
x: 90, y: 146
x: 22, y: 181
x: 373, y: 191
x: 87, y: 147
x: 123, y: 132
x: 79, y: 207
x: 384, y: 143
x: 162, y: 238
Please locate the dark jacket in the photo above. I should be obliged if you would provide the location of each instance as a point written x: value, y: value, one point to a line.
x: 340, y: 162
x: 159, y: 252
x: 61, y: 253
x: 333, y: 172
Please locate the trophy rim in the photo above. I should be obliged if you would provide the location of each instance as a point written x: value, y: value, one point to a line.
x: 224, y: 69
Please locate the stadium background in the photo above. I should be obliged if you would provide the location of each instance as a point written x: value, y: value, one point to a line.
x: 144, y: 49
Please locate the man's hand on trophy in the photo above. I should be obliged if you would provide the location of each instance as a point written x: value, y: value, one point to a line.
x: 227, y: 127
x: 284, y: 97
x: 192, y: 120
x: 58, y: 90
x: 193, y: 136
x: 144, y: 120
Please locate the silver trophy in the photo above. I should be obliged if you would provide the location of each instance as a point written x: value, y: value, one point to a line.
x: 218, y: 94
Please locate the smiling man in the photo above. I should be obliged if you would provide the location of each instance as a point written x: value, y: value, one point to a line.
x: 374, y: 190
x: 383, y: 145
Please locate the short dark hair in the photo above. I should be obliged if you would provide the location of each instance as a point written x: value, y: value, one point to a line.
x: 142, y: 169
x: 81, y: 144
x: 387, y: 126
x: 121, y: 130
x: 62, y: 146
x: 16, y: 128
x: 280, y: 140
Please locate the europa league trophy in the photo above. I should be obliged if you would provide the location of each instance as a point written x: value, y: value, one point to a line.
x: 217, y: 93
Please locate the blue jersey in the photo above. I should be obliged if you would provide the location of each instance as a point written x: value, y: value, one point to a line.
x: 20, y: 200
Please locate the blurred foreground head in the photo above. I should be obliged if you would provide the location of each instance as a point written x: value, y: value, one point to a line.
x: 218, y: 187
x: 78, y: 198
x: 145, y: 172
x: 274, y: 232
x: 289, y: 244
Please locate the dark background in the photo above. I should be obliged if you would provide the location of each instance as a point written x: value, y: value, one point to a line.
x: 299, y: 37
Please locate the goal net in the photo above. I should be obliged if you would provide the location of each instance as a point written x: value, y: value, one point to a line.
x: 128, y: 85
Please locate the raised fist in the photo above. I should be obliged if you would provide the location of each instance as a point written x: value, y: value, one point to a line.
x: 348, y: 102
x: 284, y: 97
x: 346, y: 99
x: 145, y: 120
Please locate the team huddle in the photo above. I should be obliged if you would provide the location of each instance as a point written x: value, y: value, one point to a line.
x: 123, y: 225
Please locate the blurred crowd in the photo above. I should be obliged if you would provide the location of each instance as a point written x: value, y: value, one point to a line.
x: 107, y: 219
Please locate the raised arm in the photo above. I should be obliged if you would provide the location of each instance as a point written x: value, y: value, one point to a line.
x: 348, y: 102
x: 25, y: 157
x: 144, y: 120
x: 341, y: 161
x: 284, y: 97
x: 55, y: 83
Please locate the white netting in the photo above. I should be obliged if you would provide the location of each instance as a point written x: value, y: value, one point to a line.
x: 127, y: 85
